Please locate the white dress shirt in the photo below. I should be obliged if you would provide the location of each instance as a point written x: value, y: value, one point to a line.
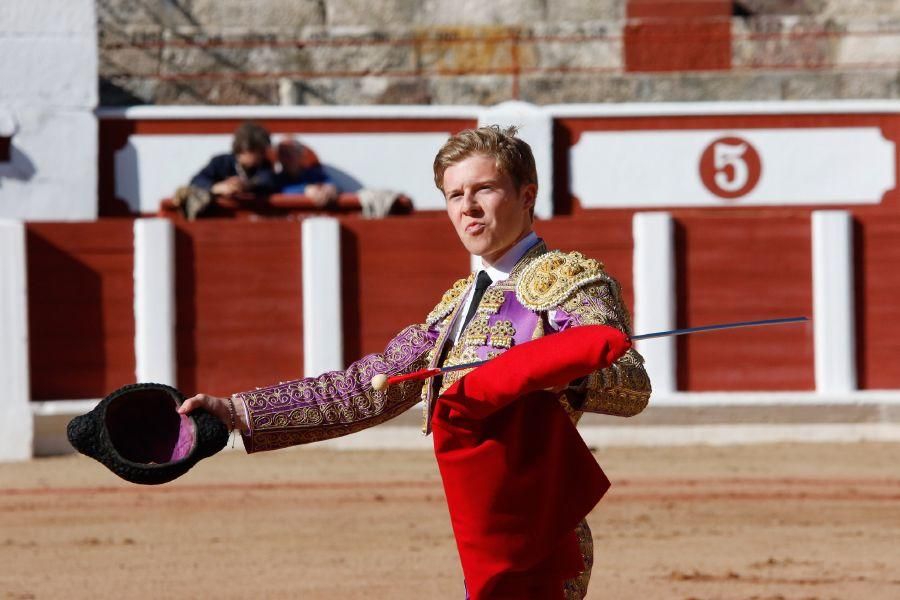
x: 497, y: 272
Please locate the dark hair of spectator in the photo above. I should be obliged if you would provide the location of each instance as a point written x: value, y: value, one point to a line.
x: 250, y: 137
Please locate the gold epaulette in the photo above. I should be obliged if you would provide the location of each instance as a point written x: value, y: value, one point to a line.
x: 448, y: 301
x: 553, y: 277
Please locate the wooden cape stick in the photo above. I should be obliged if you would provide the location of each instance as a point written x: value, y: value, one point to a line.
x: 381, y: 381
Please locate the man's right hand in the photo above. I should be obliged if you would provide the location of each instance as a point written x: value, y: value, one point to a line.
x: 218, y: 407
x: 228, y: 187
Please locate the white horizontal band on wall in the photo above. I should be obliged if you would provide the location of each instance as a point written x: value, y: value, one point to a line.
x: 154, y: 301
x: 654, y: 296
x: 834, y: 322
x: 16, y: 423
x: 323, y: 332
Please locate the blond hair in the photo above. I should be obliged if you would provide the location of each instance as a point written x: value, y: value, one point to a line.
x: 512, y: 155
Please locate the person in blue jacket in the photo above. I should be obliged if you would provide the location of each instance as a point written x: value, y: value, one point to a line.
x: 301, y: 173
x: 247, y: 169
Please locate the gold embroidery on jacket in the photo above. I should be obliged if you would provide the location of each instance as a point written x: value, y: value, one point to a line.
x: 460, y: 354
x: 431, y: 386
x: 623, y: 389
x: 549, y: 280
x: 538, y: 329
x: 348, y: 401
x: 576, y: 588
x: 491, y: 302
x: 448, y: 301
x: 502, y: 334
x: 476, y: 331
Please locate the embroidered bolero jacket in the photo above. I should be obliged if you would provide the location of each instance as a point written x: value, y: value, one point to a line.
x: 547, y: 291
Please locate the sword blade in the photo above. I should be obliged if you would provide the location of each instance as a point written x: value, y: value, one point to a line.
x: 737, y: 325
x: 671, y: 332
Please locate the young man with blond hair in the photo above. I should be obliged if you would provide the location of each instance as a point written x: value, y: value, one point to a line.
x: 522, y: 292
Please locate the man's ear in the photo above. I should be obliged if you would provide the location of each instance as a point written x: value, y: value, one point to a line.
x: 528, y: 194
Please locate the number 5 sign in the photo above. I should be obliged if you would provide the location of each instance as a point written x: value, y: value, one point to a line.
x: 756, y: 167
x: 730, y: 167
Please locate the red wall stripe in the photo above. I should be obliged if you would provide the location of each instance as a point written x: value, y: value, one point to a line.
x: 666, y: 35
x: 394, y: 271
x: 877, y: 273
x: 678, y: 9
x: 239, y: 305
x: 80, y: 308
x: 740, y: 269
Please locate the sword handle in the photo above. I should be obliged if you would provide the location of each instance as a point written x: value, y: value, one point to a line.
x: 380, y: 382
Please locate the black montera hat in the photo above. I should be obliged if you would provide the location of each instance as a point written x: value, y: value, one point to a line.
x: 138, y: 434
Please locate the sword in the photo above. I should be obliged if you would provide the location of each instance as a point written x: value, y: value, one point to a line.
x: 381, y: 381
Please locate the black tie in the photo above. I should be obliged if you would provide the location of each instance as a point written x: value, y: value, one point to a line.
x: 481, y: 284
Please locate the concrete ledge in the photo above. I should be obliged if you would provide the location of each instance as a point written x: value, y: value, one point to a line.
x: 678, y: 416
x: 597, y: 436
x: 729, y: 435
x: 50, y: 420
x: 741, y: 408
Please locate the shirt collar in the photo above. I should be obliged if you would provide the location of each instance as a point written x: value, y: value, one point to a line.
x: 503, y: 267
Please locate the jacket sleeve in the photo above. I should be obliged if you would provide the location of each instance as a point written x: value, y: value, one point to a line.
x: 622, y: 389
x: 215, y: 171
x: 340, y: 402
x: 263, y: 181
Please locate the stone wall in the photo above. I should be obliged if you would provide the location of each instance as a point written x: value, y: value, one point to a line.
x: 476, y: 52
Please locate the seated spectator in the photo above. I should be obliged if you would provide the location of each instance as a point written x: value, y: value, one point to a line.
x: 247, y: 169
x: 301, y: 173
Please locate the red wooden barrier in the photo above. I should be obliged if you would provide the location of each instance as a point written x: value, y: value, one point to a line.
x: 877, y: 258
x: 739, y: 268
x: 239, y: 311
x: 393, y: 273
x: 239, y: 295
x: 80, y: 308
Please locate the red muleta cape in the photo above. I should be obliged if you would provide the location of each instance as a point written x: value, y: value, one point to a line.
x: 517, y: 475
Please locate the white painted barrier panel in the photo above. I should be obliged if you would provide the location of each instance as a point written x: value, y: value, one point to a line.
x: 323, y: 339
x: 833, y: 302
x: 654, y: 297
x: 748, y: 167
x: 154, y: 301
x: 16, y: 424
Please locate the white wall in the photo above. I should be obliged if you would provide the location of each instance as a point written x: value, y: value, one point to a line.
x: 48, y: 88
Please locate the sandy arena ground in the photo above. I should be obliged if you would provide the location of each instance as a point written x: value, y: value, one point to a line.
x: 762, y: 522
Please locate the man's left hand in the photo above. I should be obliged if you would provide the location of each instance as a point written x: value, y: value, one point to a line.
x: 321, y: 194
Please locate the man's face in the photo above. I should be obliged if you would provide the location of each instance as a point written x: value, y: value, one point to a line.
x: 489, y: 214
x: 250, y: 159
